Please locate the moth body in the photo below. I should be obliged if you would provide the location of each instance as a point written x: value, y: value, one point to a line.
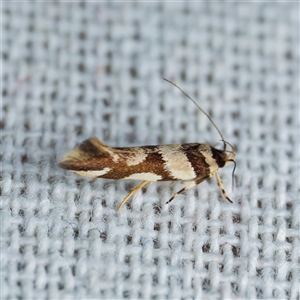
x: 191, y: 163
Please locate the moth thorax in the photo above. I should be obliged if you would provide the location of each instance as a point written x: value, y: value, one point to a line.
x: 221, y: 157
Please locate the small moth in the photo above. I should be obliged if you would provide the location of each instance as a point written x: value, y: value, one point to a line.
x: 190, y: 163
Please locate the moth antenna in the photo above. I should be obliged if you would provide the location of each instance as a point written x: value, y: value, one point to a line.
x: 232, y: 148
x: 232, y: 160
x: 207, y: 115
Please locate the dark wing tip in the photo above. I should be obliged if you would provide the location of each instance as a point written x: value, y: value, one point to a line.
x: 64, y: 165
x: 88, y: 149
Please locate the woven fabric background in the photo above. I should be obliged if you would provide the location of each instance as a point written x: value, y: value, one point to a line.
x: 73, y: 70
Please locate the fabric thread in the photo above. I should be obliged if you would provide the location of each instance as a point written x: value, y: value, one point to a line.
x: 74, y: 70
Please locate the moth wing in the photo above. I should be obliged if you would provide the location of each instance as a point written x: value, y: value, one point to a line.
x: 88, y: 150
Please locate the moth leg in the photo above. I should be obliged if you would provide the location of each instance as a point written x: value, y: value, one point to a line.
x: 150, y: 183
x: 188, y: 186
x: 172, y: 183
x: 221, y: 186
x: 132, y: 193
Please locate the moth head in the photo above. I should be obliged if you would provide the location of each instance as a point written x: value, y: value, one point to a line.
x: 223, y: 157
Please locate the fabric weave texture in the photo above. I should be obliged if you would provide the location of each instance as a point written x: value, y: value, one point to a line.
x: 74, y: 70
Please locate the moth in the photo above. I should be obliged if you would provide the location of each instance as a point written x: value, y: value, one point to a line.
x: 190, y: 163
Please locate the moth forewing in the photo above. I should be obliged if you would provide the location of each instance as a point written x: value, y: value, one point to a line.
x: 190, y: 163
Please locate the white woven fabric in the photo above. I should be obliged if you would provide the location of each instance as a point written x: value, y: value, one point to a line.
x: 71, y: 71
